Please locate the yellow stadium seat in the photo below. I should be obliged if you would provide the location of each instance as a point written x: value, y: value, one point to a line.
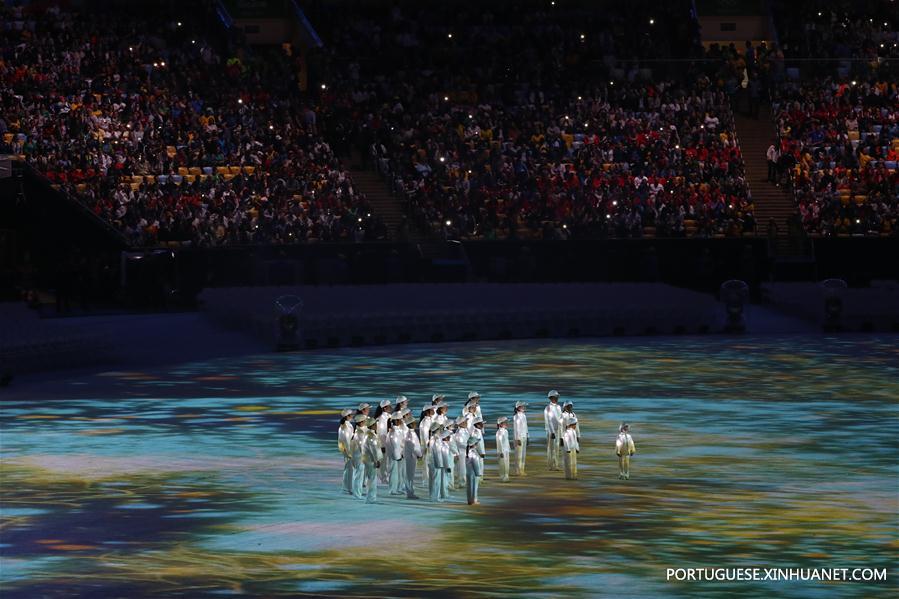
x: 228, y: 176
x: 249, y: 169
x: 190, y: 178
x: 135, y: 186
x: 222, y: 170
x: 137, y: 179
x: 170, y: 151
x: 195, y: 170
x: 182, y: 170
x: 853, y: 136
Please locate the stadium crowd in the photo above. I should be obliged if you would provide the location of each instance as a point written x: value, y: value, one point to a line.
x: 544, y: 123
x: 170, y: 134
x: 838, y: 118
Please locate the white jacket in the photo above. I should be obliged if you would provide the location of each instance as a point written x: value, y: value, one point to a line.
x: 568, y: 416
x: 345, y: 439
x: 424, y: 431
x: 357, y: 445
x: 569, y: 438
x: 502, y: 442
x: 624, y: 444
x: 382, y: 428
x: 395, y: 444
x: 372, y: 451
x: 411, y: 446
x: 520, y: 426
x: 552, y: 418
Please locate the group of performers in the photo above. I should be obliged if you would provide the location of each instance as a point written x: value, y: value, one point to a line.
x: 388, y: 446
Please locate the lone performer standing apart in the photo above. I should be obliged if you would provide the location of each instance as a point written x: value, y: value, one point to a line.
x: 624, y: 448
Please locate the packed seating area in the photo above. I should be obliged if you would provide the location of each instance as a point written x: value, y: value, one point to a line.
x: 170, y: 131
x: 837, y: 114
x: 545, y: 123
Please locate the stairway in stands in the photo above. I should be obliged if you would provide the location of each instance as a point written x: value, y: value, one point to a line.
x: 385, y: 204
x: 755, y: 136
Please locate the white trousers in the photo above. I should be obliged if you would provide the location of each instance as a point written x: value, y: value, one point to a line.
x: 552, y: 452
x: 503, y: 463
x: 624, y: 466
x: 520, y: 455
x: 571, y: 465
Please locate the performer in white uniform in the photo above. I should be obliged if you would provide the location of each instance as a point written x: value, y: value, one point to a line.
x: 475, y: 398
x: 357, y: 446
x: 411, y: 454
x: 474, y: 471
x: 552, y: 423
x: 435, y: 461
x: 572, y: 448
x: 371, y: 457
x: 424, y: 435
x: 382, y: 415
x: 461, y: 439
x: 567, y: 415
x: 624, y: 449
x: 344, y: 444
x: 394, y: 457
x: 520, y: 436
x: 502, y: 448
x: 400, y: 414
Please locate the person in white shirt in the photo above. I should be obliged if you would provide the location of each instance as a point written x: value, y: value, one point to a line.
x: 477, y: 432
x: 502, y: 448
x: 424, y: 435
x: 552, y: 423
x: 344, y: 444
x: 567, y: 415
x: 435, y: 461
x: 474, y: 471
x: 444, y: 471
x: 394, y: 456
x: 357, y: 446
x: 382, y: 415
x: 461, y: 440
x: 624, y: 449
x: 473, y: 398
x: 441, y: 417
x: 520, y: 436
x: 400, y: 414
x: 454, y: 450
x: 572, y: 448
x: 372, y: 458
x: 411, y: 454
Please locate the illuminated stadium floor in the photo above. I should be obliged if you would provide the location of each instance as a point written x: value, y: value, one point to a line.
x: 223, y: 478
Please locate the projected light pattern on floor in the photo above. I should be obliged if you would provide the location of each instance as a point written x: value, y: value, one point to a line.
x: 223, y: 477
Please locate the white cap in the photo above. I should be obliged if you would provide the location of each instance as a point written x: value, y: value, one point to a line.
x: 362, y: 406
x: 461, y: 420
x: 384, y: 403
x: 572, y: 421
x: 440, y: 404
x: 521, y: 404
x: 437, y: 396
x: 552, y: 393
x: 477, y: 421
x: 501, y: 419
x: 436, y: 426
x: 567, y: 403
x: 346, y: 412
x: 474, y: 394
x: 360, y: 418
x: 426, y: 408
x: 401, y: 399
x: 624, y: 426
